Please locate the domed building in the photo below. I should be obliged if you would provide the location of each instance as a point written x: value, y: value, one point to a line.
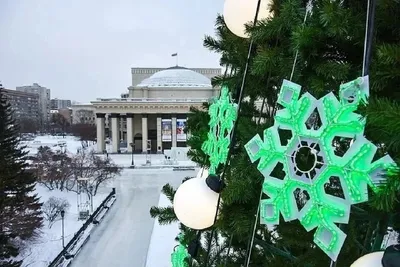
x: 153, y: 114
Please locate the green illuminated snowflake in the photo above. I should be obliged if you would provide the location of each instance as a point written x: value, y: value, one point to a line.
x: 353, y: 170
x: 178, y: 257
x: 222, y: 117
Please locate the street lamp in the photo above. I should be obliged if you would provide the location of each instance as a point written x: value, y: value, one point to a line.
x: 239, y: 12
x: 61, y: 145
x: 133, y: 148
x: 62, y: 226
x: 91, y: 198
x: 83, y: 186
x: 388, y: 258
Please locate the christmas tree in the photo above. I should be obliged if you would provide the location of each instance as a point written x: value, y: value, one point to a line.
x: 20, y: 214
x: 330, y: 53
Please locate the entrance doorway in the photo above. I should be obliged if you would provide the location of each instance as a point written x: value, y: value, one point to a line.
x: 137, y: 139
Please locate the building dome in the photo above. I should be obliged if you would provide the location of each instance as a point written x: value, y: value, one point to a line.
x: 176, y: 77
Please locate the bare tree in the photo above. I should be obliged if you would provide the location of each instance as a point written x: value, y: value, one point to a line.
x: 53, y: 169
x: 97, y: 170
x: 28, y: 125
x: 52, y: 209
x: 59, y: 123
x: 59, y: 171
x: 86, y: 132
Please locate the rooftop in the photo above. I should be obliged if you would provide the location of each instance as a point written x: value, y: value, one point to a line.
x: 176, y: 77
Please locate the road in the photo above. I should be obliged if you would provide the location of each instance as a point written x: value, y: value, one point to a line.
x: 122, y: 239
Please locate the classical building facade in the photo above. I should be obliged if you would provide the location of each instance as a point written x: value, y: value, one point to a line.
x: 152, y: 116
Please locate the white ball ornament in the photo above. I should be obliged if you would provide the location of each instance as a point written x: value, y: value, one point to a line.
x: 370, y: 260
x: 195, y: 204
x: 237, y: 13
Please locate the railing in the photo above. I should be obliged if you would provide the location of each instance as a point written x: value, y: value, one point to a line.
x: 72, y: 243
x: 184, y: 100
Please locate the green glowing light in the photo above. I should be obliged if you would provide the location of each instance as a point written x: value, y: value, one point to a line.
x: 180, y: 254
x: 222, y: 117
x: 355, y: 169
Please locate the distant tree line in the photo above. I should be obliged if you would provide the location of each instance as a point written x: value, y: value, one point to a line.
x: 59, y: 125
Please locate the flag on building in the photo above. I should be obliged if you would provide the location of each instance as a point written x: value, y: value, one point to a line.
x: 174, y: 55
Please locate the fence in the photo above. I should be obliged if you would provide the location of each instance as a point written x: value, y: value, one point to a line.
x: 64, y: 255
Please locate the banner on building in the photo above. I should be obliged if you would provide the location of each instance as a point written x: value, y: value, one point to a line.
x: 166, y: 130
x: 180, y: 130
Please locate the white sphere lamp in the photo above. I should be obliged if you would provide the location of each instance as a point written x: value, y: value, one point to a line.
x: 195, y: 202
x: 370, y: 260
x: 237, y: 13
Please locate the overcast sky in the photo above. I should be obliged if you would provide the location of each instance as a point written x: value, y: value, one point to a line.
x: 84, y: 49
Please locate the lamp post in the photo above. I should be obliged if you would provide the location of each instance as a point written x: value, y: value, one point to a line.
x: 91, y: 198
x: 83, y: 187
x: 62, y: 226
x: 133, y: 148
x: 61, y: 145
x: 239, y: 12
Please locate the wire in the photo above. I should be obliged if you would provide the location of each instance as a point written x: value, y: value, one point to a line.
x: 369, y: 30
x: 308, y: 10
x: 268, y: 80
x: 229, y: 250
x: 249, y: 249
x: 251, y: 238
x: 232, y: 139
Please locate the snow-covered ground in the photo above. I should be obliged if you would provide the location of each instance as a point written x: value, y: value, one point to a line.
x: 162, y: 240
x: 124, y: 236
x: 124, y: 160
x: 43, y: 250
x: 72, y: 144
x: 157, y: 160
x: 127, y: 236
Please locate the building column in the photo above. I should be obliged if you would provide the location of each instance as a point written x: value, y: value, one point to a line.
x: 115, y: 132
x: 159, y: 136
x: 129, y: 131
x: 100, y: 130
x: 173, y: 130
x: 144, y: 133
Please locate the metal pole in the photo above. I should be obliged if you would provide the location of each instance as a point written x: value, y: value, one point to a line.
x: 62, y: 223
x: 132, y: 163
x: 90, y: 187
x: 77, y: 195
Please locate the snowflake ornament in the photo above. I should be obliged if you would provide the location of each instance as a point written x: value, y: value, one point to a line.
x: 222, y: 117
x: 179, y: 255
x: 355, y: 170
